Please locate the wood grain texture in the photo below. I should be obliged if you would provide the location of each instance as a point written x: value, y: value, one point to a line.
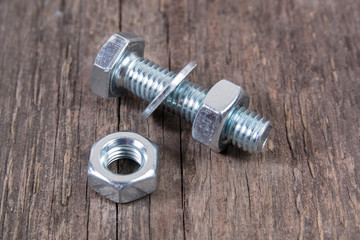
x: 299, y: 60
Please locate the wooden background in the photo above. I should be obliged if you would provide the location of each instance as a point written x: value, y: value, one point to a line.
x: 299, y: 60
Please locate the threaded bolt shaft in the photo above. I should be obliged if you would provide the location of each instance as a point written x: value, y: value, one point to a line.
x: 146, y: 79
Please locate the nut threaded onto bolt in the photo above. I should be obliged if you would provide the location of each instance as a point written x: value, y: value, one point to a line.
x: 219, y: 116
x: 145, y: 79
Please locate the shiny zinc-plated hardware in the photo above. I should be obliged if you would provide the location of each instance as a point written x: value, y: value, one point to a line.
x: 219, y: 115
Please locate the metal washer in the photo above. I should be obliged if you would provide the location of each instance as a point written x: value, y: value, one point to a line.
x: 155, y: 103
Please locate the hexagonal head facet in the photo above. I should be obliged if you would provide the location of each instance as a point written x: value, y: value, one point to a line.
x: 104, y: 74
x: 210, y: 119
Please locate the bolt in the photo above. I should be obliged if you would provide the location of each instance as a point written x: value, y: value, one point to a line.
x: 219, y: 115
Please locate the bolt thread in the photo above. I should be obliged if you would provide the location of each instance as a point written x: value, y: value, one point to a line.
x: 146, y: 80
x: 246, y: 130
x: 242, y: 128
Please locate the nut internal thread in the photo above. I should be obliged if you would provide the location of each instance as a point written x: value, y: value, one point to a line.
x: 242, y: 128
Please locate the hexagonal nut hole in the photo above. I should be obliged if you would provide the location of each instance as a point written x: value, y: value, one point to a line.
x: 210, y: 119
x: 104, y: 74
x: 117, y: 187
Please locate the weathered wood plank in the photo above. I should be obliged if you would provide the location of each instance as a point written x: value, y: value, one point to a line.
x: 158, y: 216
x: 98, y: 117
x: 195, y: 158
x: 52, y: 198
x: 299, y: 61
x: 30, y: 154
x: 277, y: 194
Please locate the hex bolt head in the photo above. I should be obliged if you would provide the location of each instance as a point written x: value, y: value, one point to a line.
x: 219, y: 116
x: 105, y: 68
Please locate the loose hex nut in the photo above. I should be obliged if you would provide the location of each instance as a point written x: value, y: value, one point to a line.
x: 210, y: 119
x: 123, y: 188
x: 103, y: 76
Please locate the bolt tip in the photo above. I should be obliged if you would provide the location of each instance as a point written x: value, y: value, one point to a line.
x: 261, y: 136
x: 247, y: 130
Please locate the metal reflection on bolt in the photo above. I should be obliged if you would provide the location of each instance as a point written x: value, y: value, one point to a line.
x: 120, y: 66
